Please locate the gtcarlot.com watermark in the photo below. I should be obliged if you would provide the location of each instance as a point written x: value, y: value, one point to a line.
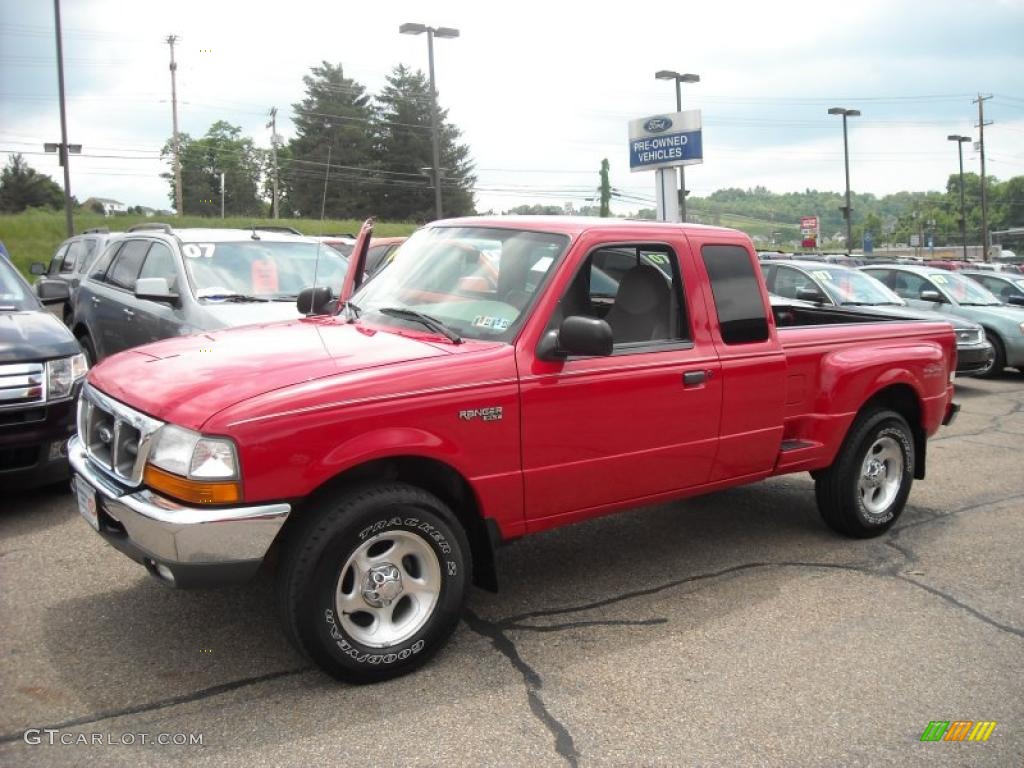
x: 55, y: 736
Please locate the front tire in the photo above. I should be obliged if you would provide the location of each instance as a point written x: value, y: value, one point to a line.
x: 864, y: 491
x: 998, y: 360
x: 373, y: 582
x: 88, y: 349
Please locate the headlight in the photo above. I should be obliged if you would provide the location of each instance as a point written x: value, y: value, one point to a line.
x: 61, y: 375
x: 187, y: 466
x: 1021, y: 326
x: 189, y: 454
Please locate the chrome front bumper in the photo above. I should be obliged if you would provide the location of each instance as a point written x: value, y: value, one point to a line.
x: 181, y: 545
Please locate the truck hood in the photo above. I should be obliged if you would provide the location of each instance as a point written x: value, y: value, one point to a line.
x: 34, y: 335
x: 187, y: 380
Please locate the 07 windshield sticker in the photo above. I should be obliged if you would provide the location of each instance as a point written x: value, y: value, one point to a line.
x: 940, y: 279
x: 198, y: 250
x: 495, y: 323
x: 821, y: 274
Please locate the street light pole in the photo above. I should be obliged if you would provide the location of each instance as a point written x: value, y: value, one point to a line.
x: 847, y: 211
x: 64, y: 160
x: 963, y: 220
x: 432, y: 32
x: 667, y: 74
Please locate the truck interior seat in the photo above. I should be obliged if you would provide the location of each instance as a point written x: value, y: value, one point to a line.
x: 641, y: 309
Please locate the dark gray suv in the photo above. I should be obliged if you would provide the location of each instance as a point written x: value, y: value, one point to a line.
x: 156, y: 282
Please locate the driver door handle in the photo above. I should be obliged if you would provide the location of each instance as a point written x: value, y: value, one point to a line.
x: 694, y: 378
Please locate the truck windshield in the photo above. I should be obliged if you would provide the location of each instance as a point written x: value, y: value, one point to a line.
x: 262, y: 269
x: 478, y: 282
x: 848, y: 286
x: 14, y: 295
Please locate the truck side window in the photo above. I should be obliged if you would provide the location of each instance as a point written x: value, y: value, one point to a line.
x: 74, y: 253
x: 636, y: 289
x: 734, y: 283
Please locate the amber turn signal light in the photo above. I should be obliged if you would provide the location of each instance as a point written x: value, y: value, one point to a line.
x: 183, y: 489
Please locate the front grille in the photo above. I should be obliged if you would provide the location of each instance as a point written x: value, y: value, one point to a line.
x: 969, y: 336
x: 22, y: 384
x: 18, y: 458
x: 117, y: 438
x: 25, y: 416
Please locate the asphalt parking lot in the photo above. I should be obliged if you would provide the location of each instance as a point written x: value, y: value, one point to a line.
x: 729, y: 630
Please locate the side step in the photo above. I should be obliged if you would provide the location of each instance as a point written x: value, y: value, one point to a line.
x: 796, y: 445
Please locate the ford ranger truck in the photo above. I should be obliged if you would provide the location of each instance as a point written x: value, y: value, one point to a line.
x: 501, y: 376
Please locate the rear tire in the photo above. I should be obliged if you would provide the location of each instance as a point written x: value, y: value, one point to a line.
x: 864, y: 491
x: 372, y: 583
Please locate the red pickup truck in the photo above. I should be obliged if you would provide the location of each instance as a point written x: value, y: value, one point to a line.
x: 502, y: 376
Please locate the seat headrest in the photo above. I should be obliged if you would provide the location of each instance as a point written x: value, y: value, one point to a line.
x: 642, y: 289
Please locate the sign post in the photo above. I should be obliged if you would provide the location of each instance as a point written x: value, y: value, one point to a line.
x: 661, y: 143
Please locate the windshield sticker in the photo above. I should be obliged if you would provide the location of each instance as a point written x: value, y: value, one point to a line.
x: 264, y: 276
x: 542, y: 264
x: 495, y: 323
x: 198, y: 250
x: 821, y: 274
x: 940, y: 279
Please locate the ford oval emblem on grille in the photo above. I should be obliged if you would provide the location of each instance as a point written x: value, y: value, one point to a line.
x: 657, y: 125
x: 105, y: 435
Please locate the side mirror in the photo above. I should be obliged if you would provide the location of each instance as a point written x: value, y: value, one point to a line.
x: 314, y: 301
x: 37, y: 268
x: 578, y: 335
x: 154, y: 289
x: 809, y: 294
x: 53, y: 291
x: 1016, y: 300
x: 933, y: 296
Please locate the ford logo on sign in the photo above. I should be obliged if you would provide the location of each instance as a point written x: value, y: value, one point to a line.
x: 657, y: 125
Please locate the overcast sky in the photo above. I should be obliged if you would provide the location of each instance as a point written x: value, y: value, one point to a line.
x: 541, y: 91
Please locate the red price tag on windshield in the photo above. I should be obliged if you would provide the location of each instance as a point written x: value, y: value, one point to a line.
x: 264, y: 277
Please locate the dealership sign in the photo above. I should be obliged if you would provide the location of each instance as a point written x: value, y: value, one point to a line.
x: 809, y: 231
x: 665, y: 141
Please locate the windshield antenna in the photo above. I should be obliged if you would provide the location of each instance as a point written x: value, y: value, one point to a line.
x: 319, y: 240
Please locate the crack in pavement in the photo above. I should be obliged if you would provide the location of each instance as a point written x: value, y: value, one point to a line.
x: 496, y: 630
x: 564, y: 744
x: 185, y: 698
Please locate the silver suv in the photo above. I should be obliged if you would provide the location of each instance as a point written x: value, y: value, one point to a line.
x: 156, y: 282
x: 67, y: 265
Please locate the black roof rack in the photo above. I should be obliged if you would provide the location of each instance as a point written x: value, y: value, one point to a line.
x: 166, y: 228
x: 281, y: 229
x: 97, y: 231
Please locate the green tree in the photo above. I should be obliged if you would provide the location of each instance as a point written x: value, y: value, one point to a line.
x: 21, y: 187
x: 404, y: 149
x: 335, y: 115
x: 222, y: 150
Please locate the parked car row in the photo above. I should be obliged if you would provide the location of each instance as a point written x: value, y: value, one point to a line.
x: 118, y: 290
x: 838, y: 286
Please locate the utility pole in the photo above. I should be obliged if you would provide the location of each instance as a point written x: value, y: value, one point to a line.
x: 980, y: 101
x: 63, y: 124
x: 272, y: 125
x: 171, y: 40
x: 222, y: 194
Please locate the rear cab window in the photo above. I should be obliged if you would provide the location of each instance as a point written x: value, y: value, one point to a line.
x: 736, y: 288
